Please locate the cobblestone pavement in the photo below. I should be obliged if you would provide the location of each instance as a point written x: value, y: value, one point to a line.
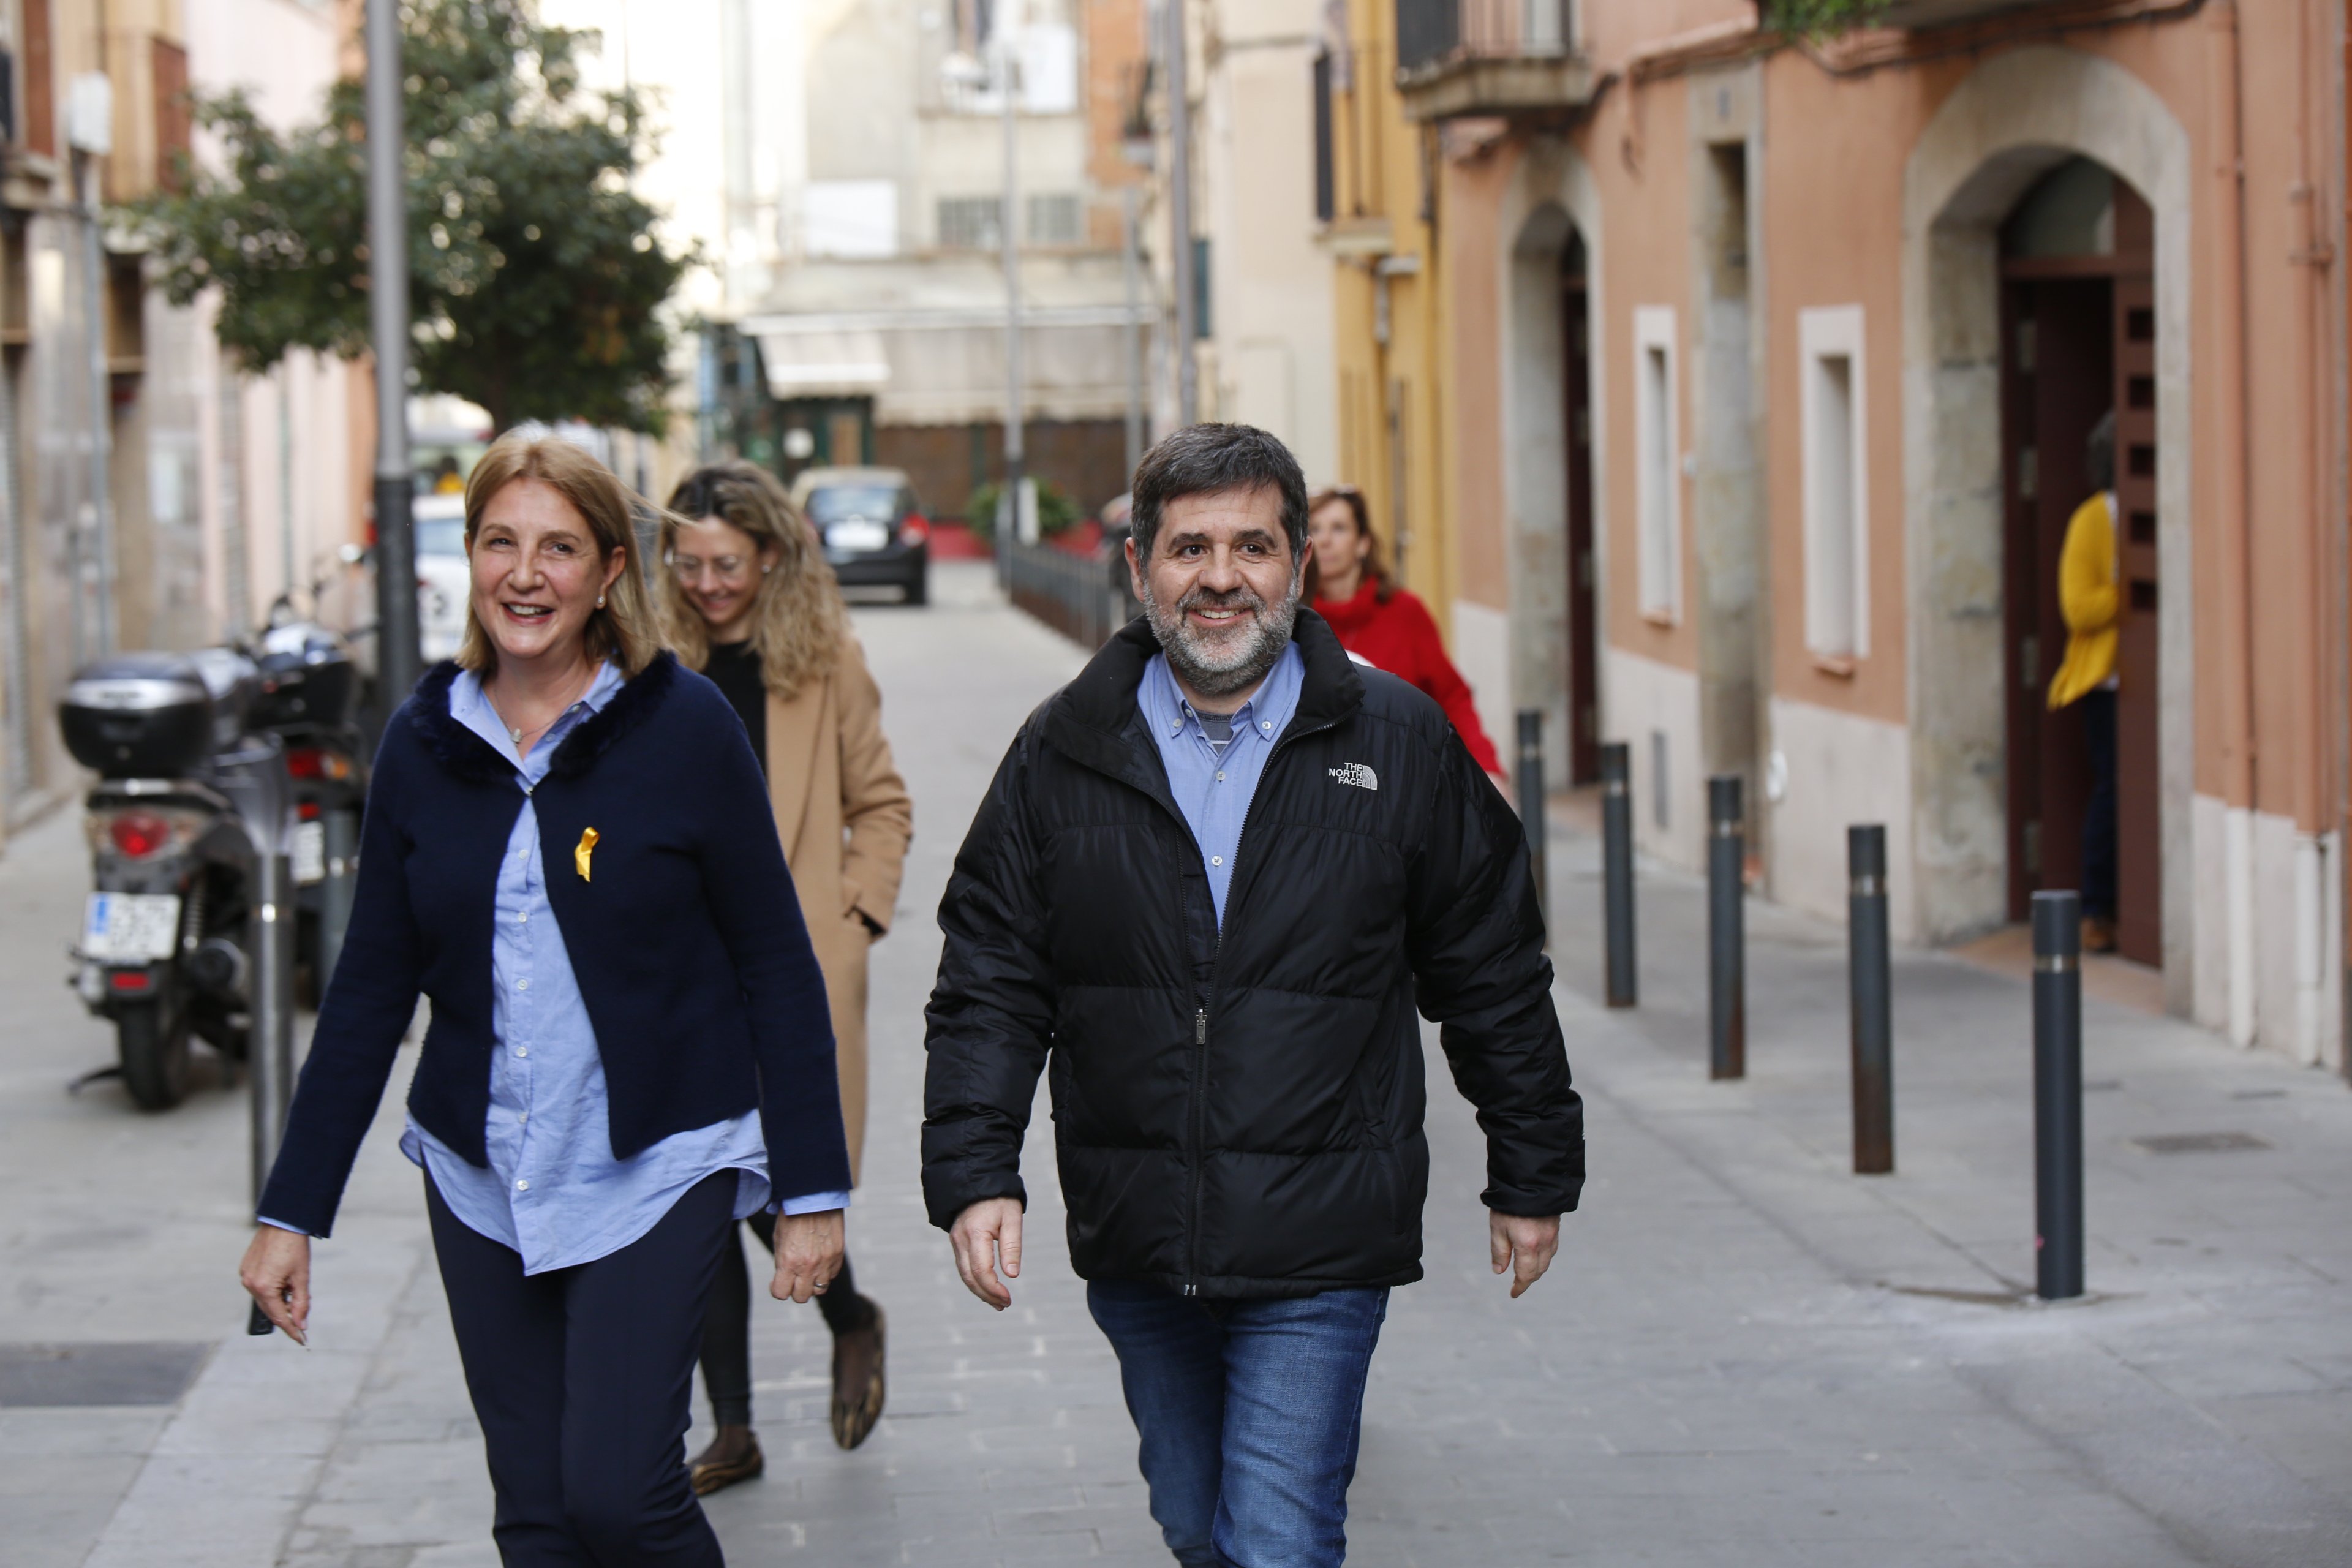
x: 1745, y: 1354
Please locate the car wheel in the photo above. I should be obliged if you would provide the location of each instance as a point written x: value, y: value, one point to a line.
x: 918, y: 589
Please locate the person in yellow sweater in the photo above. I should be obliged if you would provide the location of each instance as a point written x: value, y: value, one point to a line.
x: 2090, y: 597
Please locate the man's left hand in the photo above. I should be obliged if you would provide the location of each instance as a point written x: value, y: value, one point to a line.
x: 1523, y: 1245
x: 809, y: 1249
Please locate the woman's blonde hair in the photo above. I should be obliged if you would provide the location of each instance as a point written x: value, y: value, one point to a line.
x: 798, y: 620
x: 625, y: 628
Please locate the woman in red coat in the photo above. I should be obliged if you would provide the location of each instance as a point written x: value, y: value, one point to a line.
x: 1378, y: 622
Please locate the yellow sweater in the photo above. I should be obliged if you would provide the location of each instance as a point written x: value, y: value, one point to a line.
x: 2091, y: 599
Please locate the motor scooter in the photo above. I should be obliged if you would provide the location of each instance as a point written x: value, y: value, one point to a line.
x: 307, y: 696
x: 163, y: 951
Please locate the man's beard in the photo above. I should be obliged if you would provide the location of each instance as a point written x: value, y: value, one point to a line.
x: 1239, y: 658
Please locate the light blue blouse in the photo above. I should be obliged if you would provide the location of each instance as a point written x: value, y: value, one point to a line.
x: 552, y: 1190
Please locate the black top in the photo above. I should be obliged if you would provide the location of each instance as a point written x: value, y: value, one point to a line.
x: 734, y: 668
x: 1242, y: 1117
x: 683, y: 932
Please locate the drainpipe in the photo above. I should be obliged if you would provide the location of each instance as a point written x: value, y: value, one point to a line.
x: 2223, y: 90
x: 2316, y: 259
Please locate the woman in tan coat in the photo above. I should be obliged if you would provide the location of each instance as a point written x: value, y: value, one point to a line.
x: 750, y: 603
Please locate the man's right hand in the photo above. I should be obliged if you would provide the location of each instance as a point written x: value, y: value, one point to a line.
x: 988, y: 1231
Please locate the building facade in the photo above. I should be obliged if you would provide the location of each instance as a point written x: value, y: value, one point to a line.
x: 1264, y: 326
x: 866, y: 212
x: 151, y: 493
x: 1771, y: 366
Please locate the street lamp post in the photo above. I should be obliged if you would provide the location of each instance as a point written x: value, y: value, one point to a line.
x: 1180, y: 216
x: 1008, y: 224
x: 398, y: 657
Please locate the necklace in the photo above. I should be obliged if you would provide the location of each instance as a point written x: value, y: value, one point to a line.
x: 518, y: 734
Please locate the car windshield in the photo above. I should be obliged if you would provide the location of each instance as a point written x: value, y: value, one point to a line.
x: 839, y: 503
x: 440, y: 536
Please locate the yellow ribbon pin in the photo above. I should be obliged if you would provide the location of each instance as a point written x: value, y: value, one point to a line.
x: 586, y: 847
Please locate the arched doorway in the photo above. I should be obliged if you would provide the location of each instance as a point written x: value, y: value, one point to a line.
x: 2079, y: 344
x: 1997, y: 136
x: 1553, y: 441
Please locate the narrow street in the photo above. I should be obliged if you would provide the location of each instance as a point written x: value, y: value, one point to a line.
x: 1744, y: 1355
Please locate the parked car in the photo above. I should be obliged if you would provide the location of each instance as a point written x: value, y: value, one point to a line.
x: 443, y: 579
x: 872, y: 532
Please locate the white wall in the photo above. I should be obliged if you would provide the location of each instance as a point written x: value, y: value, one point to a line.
x: 1482, y: 652
x: 1270, y: 283
x: 1641, y: 699
x: 1842, y: 770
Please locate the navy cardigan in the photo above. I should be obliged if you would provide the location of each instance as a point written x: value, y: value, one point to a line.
x: 685, y: 936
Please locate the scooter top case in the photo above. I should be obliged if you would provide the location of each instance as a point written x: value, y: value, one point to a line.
x: 156, y: 715
x: 307, y: 678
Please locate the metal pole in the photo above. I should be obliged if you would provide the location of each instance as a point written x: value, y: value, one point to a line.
x: 1179, y: 215
x: 1016, y: 410
x: 265, y: 798
x: 1617, y: 870
x: 1871, y: 999
x: 342, y: 832
x: 1531, y: 805
x: 1726, y: 934
x: 288, y: 569
x: 399, y: 659
x: 1132, y: 339
x: 101, y: 419
x: 2058, y: 1095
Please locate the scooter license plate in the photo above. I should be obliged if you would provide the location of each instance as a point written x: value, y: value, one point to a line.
x: 310, y: 852
x: 130, y: 928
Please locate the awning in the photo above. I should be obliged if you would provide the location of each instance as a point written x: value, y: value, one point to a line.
x: 824, y: 362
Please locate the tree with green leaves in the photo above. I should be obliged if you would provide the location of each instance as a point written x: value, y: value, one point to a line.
x: 536, y: 281
x: 1818, y: 18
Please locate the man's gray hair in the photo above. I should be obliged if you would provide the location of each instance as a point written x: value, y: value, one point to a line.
x: 1210, y: 459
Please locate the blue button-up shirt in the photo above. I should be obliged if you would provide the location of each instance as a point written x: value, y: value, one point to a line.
x: 1213, y: 791
x: 553, y: 1191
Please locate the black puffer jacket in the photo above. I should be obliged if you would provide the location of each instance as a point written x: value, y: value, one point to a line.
x: 1244, y: 1117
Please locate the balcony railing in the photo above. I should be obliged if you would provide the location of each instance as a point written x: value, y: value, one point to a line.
x: 1457, y: 58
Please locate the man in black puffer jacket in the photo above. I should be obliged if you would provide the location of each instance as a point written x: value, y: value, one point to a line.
x: 1212, y: 880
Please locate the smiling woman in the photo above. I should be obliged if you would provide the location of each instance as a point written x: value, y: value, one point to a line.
x: 569, y: 851
x: 548, y: 530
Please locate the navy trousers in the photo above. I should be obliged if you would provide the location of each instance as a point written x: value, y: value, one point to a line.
x: 582, y: 1378
x: 2099, y: 812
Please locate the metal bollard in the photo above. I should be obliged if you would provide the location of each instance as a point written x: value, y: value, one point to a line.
x: 1617, y: 870
x: 1531, y: 804
x: 336, y: 892
x: 1871, y: 998
x: 269, y: 1048
x: 1726, y: 936
x: 2058, y: 1095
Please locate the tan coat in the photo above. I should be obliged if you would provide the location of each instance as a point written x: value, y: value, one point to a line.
x: 845, y: 817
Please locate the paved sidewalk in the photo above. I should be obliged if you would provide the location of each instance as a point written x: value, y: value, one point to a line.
x: 1745, y: 1354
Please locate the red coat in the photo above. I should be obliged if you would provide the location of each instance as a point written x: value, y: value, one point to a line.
x: 1400, y: 637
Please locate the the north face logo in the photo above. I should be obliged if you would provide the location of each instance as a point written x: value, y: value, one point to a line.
x: 1358, y: 775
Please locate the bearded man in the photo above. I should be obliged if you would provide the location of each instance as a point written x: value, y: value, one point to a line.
x: 1210, y: 883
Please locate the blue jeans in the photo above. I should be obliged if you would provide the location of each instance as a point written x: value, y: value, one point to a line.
x: 1249, y: 1413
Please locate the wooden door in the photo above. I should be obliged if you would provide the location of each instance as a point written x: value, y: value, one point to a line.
x: 2139, y: 880
x: 2059, y: 377
x: 1584, y: 630
x: 2080, y: 339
